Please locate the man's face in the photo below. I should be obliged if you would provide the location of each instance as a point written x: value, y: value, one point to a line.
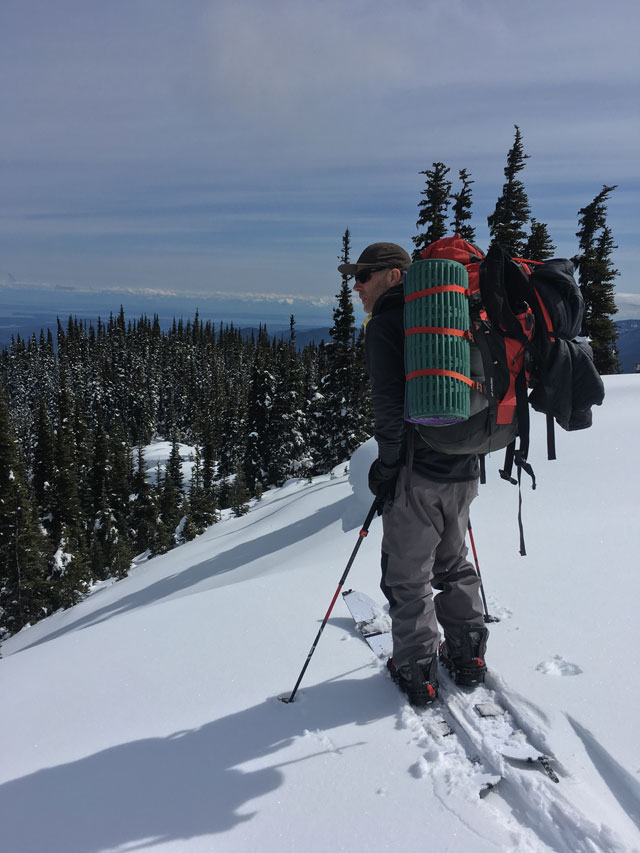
x: 370, y: 290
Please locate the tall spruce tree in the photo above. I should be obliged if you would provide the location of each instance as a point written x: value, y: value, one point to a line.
x: 288, y: 456
x: 202, y: 505
x: 339, y: 408
x: 144, y: 518
x: 70, y: 566
x: 43, y: 470
x: 262, y: 390
x: 238, y: 493
x: 460, y: 224
x: 596, y: 277
x: 24, y: 593
x: 433, y: 208
x: 539, y: 245
x: 512, y: 211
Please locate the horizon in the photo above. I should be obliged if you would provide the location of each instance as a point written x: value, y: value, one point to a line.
x: 206, y: 175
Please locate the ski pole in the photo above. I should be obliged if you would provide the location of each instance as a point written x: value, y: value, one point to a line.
x: 487, y: 617
x: 362, y: 535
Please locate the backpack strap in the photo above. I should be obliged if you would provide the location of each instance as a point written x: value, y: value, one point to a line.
x: 519, y: 456
x: 483, y: 470
x: 505, y: 471
x: 551, y: 437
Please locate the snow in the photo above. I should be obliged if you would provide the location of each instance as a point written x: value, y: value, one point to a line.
x: 157, y: 454
x: 146, y: 717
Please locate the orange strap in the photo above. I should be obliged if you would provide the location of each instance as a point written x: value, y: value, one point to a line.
x: 435, y: 330
x: 443, y: 288
x: 435, y: 371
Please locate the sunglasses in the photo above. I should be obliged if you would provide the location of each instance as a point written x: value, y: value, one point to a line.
x: 363, y: 276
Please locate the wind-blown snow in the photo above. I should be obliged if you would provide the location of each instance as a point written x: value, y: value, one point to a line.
x: 146, y: 717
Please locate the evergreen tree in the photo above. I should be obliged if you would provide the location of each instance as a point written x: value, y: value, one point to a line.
x: 433, y: 208
x: 512, y: 211
x: 340, y: 419
x: 202, y: 502
x: 262, y: 392
x: 238, y: 494
x: 23, y: 587
x: 460, y: 224
x: 362, y: 392
x: 116, y: 511
x: 596, y: 277
x: 170, y: 501
x: 188, y: 530
x: 83, y: 453
x: 144, y: 510
x: 100, y: 468
x: 314, y: 365
x: 539, y: 246
x: 174, y: 465
x: 43, y: 464
x: 287, y: 454
x: 70, y: 569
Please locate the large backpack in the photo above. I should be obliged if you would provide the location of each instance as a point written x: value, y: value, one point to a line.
x: 523, y: 318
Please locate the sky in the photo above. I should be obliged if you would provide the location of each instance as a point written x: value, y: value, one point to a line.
x: 216, y: 147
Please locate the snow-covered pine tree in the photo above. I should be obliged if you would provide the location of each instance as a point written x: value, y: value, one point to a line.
x: 262, y: 390
x: 433, y: 208
x: 512, y: 211
x: 170, y: 499
x: 288, y: 456
x: 119, y: 490
x: 203, y: 509
x: 340, y: 419
x: 70, y: 569
x: 314, y: 364
x: 144, y: 511
x: 597, y: 279
x: 43, y: 465
x: 24, y: 591
x: 238, y: 493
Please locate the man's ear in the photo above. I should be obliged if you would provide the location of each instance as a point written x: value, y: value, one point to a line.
x: 395, y: 276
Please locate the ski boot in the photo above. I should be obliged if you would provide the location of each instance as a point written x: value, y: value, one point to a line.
x: 465, y: 659
x: 418, y: 679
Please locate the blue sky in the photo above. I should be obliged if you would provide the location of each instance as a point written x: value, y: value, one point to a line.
x: 204, y: 147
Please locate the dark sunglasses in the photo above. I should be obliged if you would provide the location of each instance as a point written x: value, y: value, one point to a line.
x: 363, y: 276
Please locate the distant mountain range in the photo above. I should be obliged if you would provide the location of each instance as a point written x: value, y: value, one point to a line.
x: 628, y: 341
x: 628, y: 344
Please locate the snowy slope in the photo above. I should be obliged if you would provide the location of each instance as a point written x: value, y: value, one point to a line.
x: 146, y: 717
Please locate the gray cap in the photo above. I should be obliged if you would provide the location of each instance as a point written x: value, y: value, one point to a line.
x: 380, y: 256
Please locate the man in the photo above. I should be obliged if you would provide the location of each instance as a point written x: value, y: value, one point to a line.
x: 424, y: 500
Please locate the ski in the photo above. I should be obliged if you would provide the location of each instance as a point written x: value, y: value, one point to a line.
x: 490, y: 725
x: 475, y: 715
x: 438, y: 723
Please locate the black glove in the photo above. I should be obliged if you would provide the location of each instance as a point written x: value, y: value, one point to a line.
x: 382, y: 482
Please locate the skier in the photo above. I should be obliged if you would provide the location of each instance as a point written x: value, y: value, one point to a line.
x: 424, y: 501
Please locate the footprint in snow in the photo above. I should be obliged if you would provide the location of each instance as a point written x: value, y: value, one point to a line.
x: 557, y: 665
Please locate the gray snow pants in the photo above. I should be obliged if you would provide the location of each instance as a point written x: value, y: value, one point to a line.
x: 423, y: 548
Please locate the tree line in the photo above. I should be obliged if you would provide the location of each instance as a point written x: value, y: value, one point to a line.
x: 76, y: 414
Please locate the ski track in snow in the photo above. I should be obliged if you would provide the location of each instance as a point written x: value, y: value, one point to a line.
x: 531, y: 806
x: 537, y: 802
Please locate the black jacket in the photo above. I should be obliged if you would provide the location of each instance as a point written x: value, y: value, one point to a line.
x: 384, y: 353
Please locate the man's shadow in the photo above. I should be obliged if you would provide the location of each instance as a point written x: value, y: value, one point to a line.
x: 188, y: 784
